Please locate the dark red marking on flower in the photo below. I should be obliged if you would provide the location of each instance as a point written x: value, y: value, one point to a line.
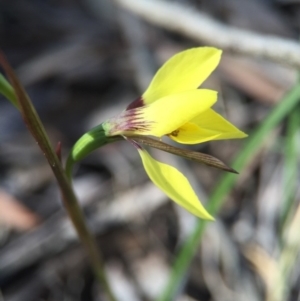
x: 139, y: 102
x: 134, y: 143
x: 175, y: 133
x: 132, y: 120
x: 134, y: 126
x: 133, y: 113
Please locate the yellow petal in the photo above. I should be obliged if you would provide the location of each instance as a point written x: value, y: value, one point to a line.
x: 184, y: 71
x: 170, y: 112
x: 174, y: 184
x: 205, y: 127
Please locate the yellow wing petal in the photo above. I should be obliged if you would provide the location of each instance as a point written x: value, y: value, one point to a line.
x: 174, y: 184
x: 207, y: 126
x: 184, y: 71
x: 170, y: 112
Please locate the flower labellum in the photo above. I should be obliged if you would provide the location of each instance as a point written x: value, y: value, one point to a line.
x: 171, y: 106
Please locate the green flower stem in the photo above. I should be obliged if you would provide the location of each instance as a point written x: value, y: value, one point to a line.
x: 89, y: 142
x: 70, y: 201
x: 253, y: 144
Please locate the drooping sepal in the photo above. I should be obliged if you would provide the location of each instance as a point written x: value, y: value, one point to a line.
x: 174, y: 184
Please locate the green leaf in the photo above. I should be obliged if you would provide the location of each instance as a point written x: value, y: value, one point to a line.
x: 7, y: 91
x: 290, y: 166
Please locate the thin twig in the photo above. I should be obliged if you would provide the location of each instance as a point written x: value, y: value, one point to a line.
x: 202, y: 28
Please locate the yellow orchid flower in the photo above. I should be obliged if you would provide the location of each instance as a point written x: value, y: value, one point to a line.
x: 172, y: 106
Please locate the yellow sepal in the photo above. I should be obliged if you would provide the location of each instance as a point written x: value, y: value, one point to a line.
x: 184, y: 71
x: 207, y: 126
x: 174, y: 184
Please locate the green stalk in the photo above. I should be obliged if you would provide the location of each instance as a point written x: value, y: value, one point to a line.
x: 89, y: 142
x: 290, y: 167
x: 252, y: 145
x: 7, y: 91
x: 70, y: 201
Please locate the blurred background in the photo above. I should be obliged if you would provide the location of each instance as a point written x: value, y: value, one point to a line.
x: 82, y: 62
